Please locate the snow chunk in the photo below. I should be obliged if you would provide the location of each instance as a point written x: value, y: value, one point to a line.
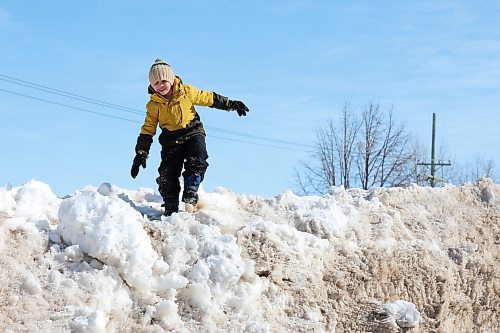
x: 94, y: 323
x: 73, y: 253
x: 111, y: 231
x: 7, y: 202
x: 166, y: 311
x: 288, y: 239
x: 319, y: 215
x: 105, y: 189
x: 31, y: 284
x: 36, y: 201
x: 402, y: 313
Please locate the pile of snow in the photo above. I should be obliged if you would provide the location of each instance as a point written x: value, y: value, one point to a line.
x: 104, y: 260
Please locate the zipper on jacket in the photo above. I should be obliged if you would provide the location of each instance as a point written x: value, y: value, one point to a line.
x: 180, y: 108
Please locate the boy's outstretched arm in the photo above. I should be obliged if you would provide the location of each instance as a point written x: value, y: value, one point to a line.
x: 223, y: 103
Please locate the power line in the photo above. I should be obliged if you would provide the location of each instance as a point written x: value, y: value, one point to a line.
x: 69, y: 106
x: 257, y: 144
x: 32, y: 85
x: 62, y: 93
x: 260, y: 137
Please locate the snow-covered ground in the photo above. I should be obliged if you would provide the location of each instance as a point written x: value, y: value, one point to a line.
x: 386, y: 260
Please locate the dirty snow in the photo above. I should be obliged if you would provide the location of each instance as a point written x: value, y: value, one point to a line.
x: 387, y: 260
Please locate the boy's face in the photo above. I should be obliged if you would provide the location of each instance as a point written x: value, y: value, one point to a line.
x: 162, y: 87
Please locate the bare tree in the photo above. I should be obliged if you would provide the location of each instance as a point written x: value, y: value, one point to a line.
x: 370, y: 151
x: 385, y: 157
x: 371, y: 136
x: 345, y: 143
x: 461, y: 173
x: 332, y: 157
x: 482, y: 168
x: 321, y: 175
x: 396, y: 157
x: 489, y: 168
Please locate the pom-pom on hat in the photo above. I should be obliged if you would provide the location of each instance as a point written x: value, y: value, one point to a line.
x: 159, y: 71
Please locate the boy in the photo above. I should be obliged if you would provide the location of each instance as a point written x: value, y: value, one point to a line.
x: 182, y: 137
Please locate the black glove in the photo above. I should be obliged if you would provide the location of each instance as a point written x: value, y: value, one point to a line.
x: 238, y: 106
x: 139, y: 159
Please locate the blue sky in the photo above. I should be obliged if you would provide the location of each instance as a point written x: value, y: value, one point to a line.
x: 294, y: 63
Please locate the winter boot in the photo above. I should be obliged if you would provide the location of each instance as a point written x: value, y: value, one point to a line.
x: 171, y: 206
x: 190, y: 197
x: 191, y: 185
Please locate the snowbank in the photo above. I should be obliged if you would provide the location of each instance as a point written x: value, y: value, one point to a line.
x: 387, y: 260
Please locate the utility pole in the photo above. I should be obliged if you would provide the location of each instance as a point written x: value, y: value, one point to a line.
x: 432, y: 178
x: 433, y: 151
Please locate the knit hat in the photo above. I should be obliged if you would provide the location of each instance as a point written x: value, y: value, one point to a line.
x: 159, y: 71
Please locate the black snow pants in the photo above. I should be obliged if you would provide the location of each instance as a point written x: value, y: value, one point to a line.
x: 190, y: 154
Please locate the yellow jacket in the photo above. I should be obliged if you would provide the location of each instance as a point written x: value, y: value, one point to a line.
x: 178, y: 111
